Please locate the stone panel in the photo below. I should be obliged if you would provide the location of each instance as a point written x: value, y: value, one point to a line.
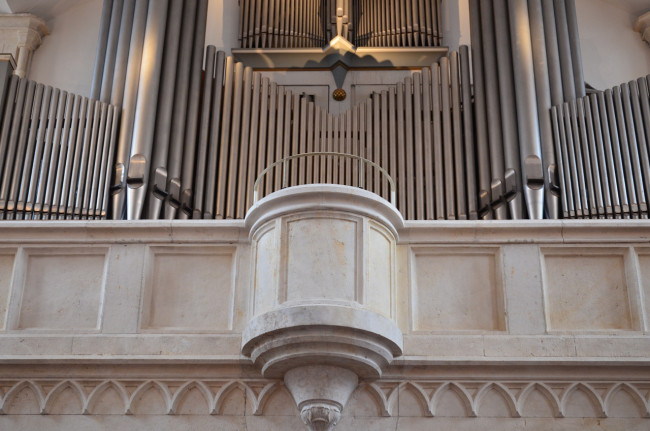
x: 189, y: 289
x: 322, y: 259
x: 266, y: 270
x: 644, y: 267
x: 63, y: 289
x: 6, y: 273
x: 586, y: 290
x: 379, y: 275
x: 456, y: 290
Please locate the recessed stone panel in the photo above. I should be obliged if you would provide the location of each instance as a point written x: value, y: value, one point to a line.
x: 6, y: 273
x: 189, y: 288
x: 456, y: 290
x: 63, y: 290
x: 322, y: 259
x: 644, y: 266
x: 378, y: 290
x: 266, y: 270
x: 586, y: 291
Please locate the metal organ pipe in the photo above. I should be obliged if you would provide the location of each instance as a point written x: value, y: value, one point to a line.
x: 104, y: 28
x: 191, y: 131
x: 509, y: 113
x: 543, y: 90
x: 111, y: 50
x: 177, y: 141
x: 127, y: 124
x: 145, y: 113
x: 480, y: 116
x: 158, y: 186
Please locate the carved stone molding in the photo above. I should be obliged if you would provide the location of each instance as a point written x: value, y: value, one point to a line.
x: 642, y: 26
x: 603, y: 399
x: 20, y: 36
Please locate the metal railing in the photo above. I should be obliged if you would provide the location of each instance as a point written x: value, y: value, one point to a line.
x: 362, y: 161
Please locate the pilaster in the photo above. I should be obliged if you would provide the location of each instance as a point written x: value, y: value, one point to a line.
x: 20, y: 36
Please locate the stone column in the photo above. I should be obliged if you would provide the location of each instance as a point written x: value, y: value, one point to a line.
x: 20, y: 36
x: 643, y: 26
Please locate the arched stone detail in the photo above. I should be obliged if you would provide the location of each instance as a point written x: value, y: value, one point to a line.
x: 181, y: 393
x: 96, y: 394
x: 162, y: 390
x: 503, y: 391
x: 589, y: 391
x: 543, y: 389
x: 463, y: 394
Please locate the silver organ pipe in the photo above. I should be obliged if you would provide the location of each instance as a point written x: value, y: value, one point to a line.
x: 312, y: 23
x: 608, y: 163
x: 46, y: 136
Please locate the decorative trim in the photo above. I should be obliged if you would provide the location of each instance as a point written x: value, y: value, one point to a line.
x: 385, y: 394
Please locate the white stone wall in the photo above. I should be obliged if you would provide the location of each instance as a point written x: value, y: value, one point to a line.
x: 138, y: 326
x: 612, y: 52
x: 67, y: 56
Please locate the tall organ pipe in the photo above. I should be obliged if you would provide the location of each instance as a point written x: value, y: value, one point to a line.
x: 508, y: 109
x: 122, y: 54
x: 104, y: 26
x: 111, y: 50
x: 543, y: 90
x: 574, y: 43
x: 158, y: 187
x: 493, y: 111
x: 483, y: 162
x: 179, y: 119
x: 564, y: 45
x: 128, y: 110
x: 145, y: 114
x: 191, y: 131
x: 529, y: 140
x: 553, y: 53
x: 204, y: 134
x: 468, y: 132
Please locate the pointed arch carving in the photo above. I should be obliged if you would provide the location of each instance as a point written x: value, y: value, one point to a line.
x: 183, y: 391
x: 162, y: 390
x: 543, y: 389
x: 630, y: 390
x: 96, y: 394
x: 387, y: 404
x: 225, y: 390
x: 15, y: 390
x: 591, y: 393
x: 53, y: 395
x: 503, y: 391
x: 458, y: 389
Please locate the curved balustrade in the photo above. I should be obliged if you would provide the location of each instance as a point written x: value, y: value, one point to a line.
x: 321, y: 170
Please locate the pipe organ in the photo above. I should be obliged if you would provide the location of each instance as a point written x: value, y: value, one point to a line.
x: 56, y: 152
x: 602, y: 143
x: 176, y: 131
x: 422, y: 122
x: 313, y: 23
